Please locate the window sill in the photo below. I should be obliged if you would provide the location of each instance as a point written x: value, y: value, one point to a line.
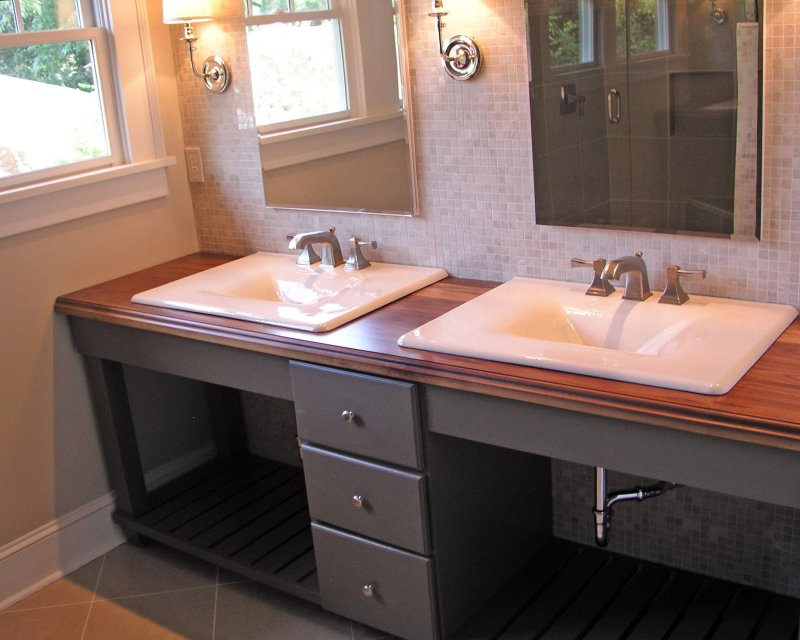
x: 322, y: 141
x: 55, y: 201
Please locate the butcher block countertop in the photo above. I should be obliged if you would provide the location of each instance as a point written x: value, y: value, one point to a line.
x: 763, y: 408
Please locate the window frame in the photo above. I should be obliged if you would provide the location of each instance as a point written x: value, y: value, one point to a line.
x: 662, y: 28
x: 97, y: 38
x: 589, y: 40
x: 344, y: 12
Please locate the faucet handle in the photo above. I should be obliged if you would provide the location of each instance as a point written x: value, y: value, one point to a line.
x: 599, y: 286
x: 357, y: 260
x: 673, y: 292
x: 308, y: 256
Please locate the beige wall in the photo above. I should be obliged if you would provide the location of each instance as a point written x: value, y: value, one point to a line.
x: 50, y: 461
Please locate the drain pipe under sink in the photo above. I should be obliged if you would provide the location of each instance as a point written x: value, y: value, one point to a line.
x: 603, y: 501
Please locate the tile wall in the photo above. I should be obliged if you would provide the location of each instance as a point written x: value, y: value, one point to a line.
x: 477, y: 216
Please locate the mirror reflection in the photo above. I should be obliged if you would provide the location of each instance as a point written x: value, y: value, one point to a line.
x: 646, y: 114
x: 330, y: 105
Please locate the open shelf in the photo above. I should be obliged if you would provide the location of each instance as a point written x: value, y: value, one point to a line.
x: 572, y: 592
x: 250, y: 517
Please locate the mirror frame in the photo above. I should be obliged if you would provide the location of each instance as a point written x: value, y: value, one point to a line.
x: 758, y: 213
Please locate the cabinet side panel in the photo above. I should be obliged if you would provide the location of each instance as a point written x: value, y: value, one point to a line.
x: 490, y: 514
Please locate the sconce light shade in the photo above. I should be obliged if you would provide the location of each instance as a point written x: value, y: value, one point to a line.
x: 215, y: 74
x: 182, y: 11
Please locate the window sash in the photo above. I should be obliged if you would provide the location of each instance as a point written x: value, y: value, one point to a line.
x: 84, y: 11
x: 349, y: 66
x: 97, y: 38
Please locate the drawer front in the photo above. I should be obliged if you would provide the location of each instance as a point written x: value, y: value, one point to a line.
x: 380, y: 586
x: 366, y: 415
x: 369, y: 499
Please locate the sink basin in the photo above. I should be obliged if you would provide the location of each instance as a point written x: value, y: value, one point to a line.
x: 705, y: 345
x: 271, y: 288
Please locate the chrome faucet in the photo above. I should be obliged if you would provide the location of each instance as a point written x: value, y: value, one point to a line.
x: 331, y: 251
x: 637, y: 286
x: 599, y: 287
x: 674, y: 293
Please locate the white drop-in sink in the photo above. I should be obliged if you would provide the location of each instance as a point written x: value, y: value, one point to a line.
x: 705, y: 345
x: 271, y: 288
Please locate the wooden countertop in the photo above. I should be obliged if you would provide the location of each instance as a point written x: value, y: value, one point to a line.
x: 763, y: 408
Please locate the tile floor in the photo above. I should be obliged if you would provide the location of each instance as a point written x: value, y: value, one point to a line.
x: 155, y: 593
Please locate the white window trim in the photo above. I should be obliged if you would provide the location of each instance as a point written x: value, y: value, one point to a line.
x: 142, y: 177
x: 56, y: 201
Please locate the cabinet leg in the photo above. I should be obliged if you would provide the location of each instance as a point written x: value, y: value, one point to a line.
x: 228, y: 422
x: 118, y: 434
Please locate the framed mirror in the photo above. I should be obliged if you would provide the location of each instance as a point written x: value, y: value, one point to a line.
x: 646, y: 114
x: 331, y: 104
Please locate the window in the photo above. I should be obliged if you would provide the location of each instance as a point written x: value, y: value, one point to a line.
x: 646, y: 29
x: 571, y: 33
x: 124, y: 165
x: 297, y: 53
x: 55, y: 64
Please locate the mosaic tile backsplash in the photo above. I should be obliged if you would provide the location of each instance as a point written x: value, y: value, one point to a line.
x: 477, y: 219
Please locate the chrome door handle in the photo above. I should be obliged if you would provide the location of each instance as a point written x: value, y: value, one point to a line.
x: 614, y: 106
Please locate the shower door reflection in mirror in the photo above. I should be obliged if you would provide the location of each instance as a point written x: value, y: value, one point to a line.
x: 646, y: 114
x: 330, y: 105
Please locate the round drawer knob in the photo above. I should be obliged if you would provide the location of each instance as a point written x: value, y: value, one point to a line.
x: 358, y: 502
x: 348, y: 416
x: 368, y: 590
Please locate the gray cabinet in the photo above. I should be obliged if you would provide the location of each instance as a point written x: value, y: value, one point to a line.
x: 413, y: 531
x: 374, y: 583
x: 376, y: 501
x: 369, y: 516
x: 365, y: 415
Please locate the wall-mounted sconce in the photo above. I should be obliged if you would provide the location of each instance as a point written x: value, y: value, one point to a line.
x: 215, y: 72
x: 460, y: 55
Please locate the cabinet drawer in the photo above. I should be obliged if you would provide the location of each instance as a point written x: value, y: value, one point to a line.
x: 377, y: 585
x: 370, y: 499
x: 367, y: 415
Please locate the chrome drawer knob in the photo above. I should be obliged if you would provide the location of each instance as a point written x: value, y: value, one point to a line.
x: 348, y: 416
x: 358, y: 502
x: 368, y: 590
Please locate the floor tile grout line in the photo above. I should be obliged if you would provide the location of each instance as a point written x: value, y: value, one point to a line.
x: 147, y: 594
x: 216, y: 601
x: 44, y: 607
x: 94, y: 595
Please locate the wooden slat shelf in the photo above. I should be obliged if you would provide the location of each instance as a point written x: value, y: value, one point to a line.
x: 250, y: 517
x: 573, y: 592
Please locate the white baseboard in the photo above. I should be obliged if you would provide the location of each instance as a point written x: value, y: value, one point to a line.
x: 57, y: 548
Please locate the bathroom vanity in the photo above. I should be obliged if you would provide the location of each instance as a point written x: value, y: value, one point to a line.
x: 424, y: 495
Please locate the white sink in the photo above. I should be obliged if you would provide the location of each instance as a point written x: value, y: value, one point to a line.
x: 271, y: 288
x: 705, y: 345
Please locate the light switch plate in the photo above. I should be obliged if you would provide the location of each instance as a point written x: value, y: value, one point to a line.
x: 194, y: 164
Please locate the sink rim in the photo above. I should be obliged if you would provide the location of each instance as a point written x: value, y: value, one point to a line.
x: 355, y: 293
x: 684, y: 370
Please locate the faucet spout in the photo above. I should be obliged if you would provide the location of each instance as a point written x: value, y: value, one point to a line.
x: 331, y: 253
x: 637, y: 285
